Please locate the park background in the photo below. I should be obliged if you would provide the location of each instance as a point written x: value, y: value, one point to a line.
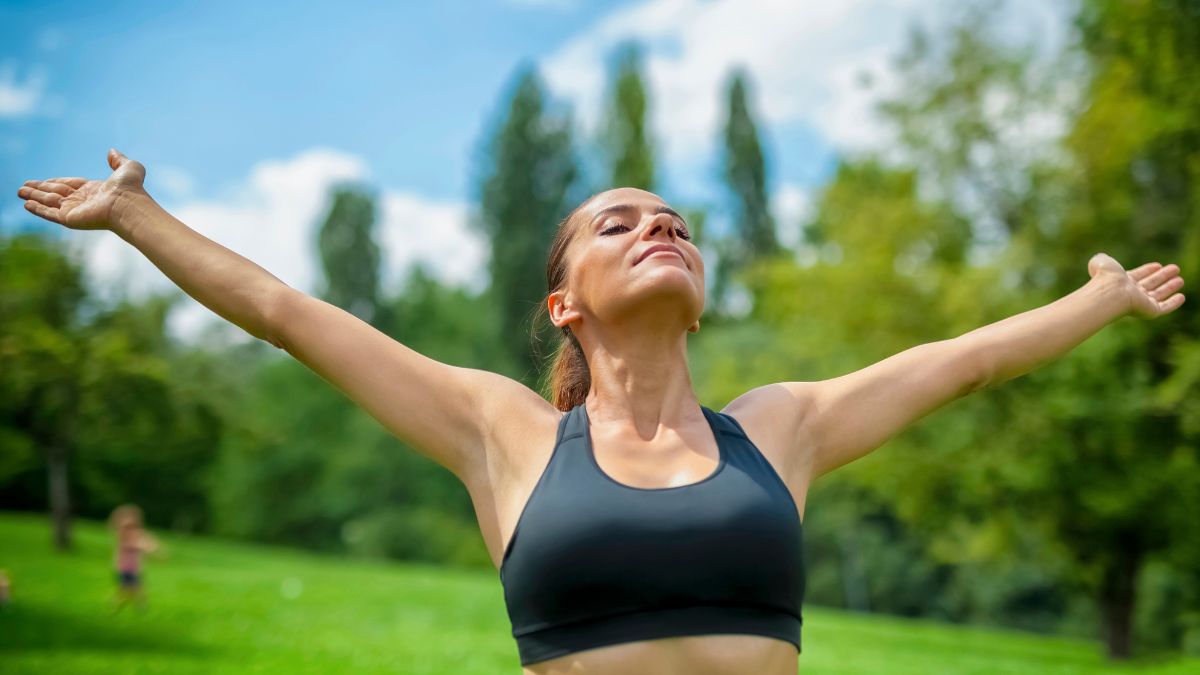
x: 862, y: 177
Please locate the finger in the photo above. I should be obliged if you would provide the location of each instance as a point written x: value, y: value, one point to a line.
x: 1144, y: 271
x: 73, y: 183
x: 43, y: 211
x: 1158, y: 278
x: 1167, y: 289
x: 1171, y: 304
x: 48, y: 198
x: 51, y: 186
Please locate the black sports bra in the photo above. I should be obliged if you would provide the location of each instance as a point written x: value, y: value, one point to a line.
x: 595, y: 562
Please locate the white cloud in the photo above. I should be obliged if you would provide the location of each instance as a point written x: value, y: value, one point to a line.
x: 804, y: 59
x: 176, y: 183
x: 272, y: 217
x: 792, y: 206
x: 20, y: 98
x: 415, y: 228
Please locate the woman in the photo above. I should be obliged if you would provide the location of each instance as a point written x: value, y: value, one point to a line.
x: 130, y: 541
x: 636, y: 531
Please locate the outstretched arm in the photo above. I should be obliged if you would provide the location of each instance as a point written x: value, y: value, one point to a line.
x: 235, y: 288
x: 148, y: 542
x: 1018, y: 344
x: 443, y: 411
x: 844, y: 418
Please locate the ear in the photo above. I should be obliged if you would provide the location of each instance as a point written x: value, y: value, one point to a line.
x: 560, y: 311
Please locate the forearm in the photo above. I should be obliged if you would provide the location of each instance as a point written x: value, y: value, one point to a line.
x: 234, y: 287
x: 1020, y: 343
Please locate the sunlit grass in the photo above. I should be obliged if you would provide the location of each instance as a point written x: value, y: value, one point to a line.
x: 220, y: 607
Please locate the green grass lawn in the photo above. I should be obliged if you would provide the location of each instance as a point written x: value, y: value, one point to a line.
x: 220, y: 607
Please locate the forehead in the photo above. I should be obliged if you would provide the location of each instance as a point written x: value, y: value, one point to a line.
x: 635, y: 197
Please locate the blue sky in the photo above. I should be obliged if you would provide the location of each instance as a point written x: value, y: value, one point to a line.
x: 245, y: 113
x: 216, y: 86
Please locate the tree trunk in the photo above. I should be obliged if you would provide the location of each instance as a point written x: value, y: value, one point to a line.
x: 59, y: 493
x: 1117, y: 600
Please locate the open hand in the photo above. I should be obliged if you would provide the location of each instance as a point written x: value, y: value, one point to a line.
x: 83, y: 204
x: 1151, y: 288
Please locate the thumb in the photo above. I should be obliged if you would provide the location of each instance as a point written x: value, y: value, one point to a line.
x: 115, y: 158
x: 1102, y: 261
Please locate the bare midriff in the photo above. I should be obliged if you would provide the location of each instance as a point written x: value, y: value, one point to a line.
x: 685, y: 655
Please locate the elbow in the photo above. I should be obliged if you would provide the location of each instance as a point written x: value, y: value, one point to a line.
x: 975, y: 370
x: 278, y: 306
x: 981, y: 375
x: 979, y: 383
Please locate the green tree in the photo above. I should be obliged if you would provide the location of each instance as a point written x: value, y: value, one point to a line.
x: 1112, y: 451
x: 753, y: 233
x: 91, y: 406
x: 1136, y: 188
x: 625, y: 139
x: 40, y: 366
x: 350, y: 257
x: 526, y: 188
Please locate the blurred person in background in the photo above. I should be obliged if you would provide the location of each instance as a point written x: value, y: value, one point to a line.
x: 130, y: 541
x: 5, y: 589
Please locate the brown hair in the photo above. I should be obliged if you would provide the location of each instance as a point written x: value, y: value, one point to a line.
x: 568, y: 378
x: 125, y: 513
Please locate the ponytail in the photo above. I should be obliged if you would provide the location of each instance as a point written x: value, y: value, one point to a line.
x: 569, y: 377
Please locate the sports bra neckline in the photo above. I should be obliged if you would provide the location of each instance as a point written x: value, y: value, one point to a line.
x: 722, y: 454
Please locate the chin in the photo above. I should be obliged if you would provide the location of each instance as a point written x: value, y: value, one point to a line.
x: 662, y: 295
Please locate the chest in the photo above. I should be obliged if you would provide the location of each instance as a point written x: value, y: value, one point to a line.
x: 587, y: 545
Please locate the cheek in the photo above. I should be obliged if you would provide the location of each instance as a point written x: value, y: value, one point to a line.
x: 602, y: 259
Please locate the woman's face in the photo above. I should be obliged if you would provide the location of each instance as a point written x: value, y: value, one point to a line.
x: 616, y: 272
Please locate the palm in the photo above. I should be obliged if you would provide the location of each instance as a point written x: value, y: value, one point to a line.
x: 1151, y: 288
x: 89, y: 204
x: 83, y: 204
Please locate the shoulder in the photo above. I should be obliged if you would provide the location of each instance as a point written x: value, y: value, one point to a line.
x: 774, y: 418
x: 518, y: 428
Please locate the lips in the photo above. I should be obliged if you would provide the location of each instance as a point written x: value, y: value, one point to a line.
x: 656, y: 248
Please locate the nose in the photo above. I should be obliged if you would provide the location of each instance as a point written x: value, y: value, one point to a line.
x: 662, y: 222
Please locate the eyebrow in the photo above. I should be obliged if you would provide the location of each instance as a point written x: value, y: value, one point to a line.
x: 630, y: 207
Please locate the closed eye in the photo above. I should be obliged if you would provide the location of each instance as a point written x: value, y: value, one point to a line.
x: 682, y: 232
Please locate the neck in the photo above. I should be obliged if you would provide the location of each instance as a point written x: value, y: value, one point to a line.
x: 639, y: 377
